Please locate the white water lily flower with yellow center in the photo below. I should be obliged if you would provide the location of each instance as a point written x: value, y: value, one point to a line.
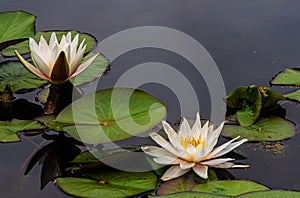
x: 57, y: 62
x: 192, y: 148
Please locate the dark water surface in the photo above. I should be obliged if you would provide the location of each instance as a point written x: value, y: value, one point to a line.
x: 249, y: 40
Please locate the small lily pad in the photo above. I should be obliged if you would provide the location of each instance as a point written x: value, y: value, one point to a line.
x: 248, y: 102
x: 14, y: 74
x: 229, y: 187
x: 190, y: 194
x: 15, y: 26
x: 9, y: 130
x: 95, y: 70
x: 287, y: 77
x: 109, y: 183
x: 293, y: 96
x: 23, y: 47
x: 271, y: 193
x: 269, y: 97
x: 119, y: 113
x: 266, y: 129
x: 49, y: 121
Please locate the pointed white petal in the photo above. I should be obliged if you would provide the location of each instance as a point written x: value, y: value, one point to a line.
x: 230, y: 148
x: 63, y: 43
x: 186, y: 165
x: 174, y: 172
x: 172, y: 135
x: 164, y: 143
x: 167, y: 160
x: 212, y: 138
x: 201, y: 170
x: 185, y: 129
x: 33, y: 45
x: 53, y: 41
x: 83, y: 66
x: 30, y: 67
x: 39, y: 62
x: 214, y: 162
x: 156, y: 151
x: 204, y: 130
x: 195, y: 133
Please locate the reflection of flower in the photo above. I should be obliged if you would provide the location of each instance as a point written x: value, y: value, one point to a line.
x: 57, y: 62
x: 191, y: 148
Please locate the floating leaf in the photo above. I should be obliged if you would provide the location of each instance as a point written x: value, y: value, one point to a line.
x: 109, y: 183
x: 266, y: 129
x: 9, y: 130
x: 95, y: 70
x: 229, y: 187
x: 119, y: 113
x: 248, y: 102
x: 15, y: 26
x: 287, y: 77
x: 190, y: 194
x: 269, y: 97
x: 49, y: 121
x: 23, y: 47
x: 14, y: 74
x: 294, y: 96
x: 272, y: 194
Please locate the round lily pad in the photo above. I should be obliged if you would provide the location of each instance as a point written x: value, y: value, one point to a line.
x: 190, y: 194
x: 23, y: 47
x: 14, y: 74
x: 110, y: 184
x: 287, y: 77
x: 294, y: 96
x: 15, y: 26
x: 49, y: 121
x: 229, y: 187
x: 272, y: 194
x: 95, y: 70
x: 266, y: 129
x: 9, y: 130
x: 112, y: 114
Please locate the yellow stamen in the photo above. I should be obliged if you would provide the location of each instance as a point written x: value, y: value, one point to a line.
x: 198, y: 143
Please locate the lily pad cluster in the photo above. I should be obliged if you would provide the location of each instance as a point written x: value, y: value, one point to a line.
x: 253, y: 114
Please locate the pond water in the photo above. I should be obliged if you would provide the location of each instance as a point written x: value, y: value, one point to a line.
x: 249, y: 40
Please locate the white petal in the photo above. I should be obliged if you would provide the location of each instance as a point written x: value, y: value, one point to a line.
x: 172, y: 135
x: 156, y: 151
x: 63, y: 43
x: 167, y: 160
x: 195, y: 133
x: 214, y: 162
x: 53, y: 40
x: 164, y: 143
x: 39, y: 62
x: 83, y: 66
x: 201, y: 170
x: 227, y: 148
x: 231, y: 165
x: 204, y: 130
x: 185, y: 129
x: 76, y: 60
x: 174, y: 172
x: 33, y: 45
x: 212, y: 138
x: 186, y: 165
x: 69, y: 38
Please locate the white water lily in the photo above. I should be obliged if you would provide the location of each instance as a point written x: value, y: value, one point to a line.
x: 57, y: 62
x: 192, y: 148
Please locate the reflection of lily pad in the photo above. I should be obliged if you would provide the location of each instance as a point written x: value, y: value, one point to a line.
x: 119, y: 113
x: 109, y: 183
x: 287, y: 77
x: 95, y: 70
x: 248, y: 102
x: 15, y: 26
x: 266, y: 129
x: 9, y: 130
x: 294, y: 96
x: 14, y: 74
x: 190, y: 194
x: 49, y: 121
x: 23, y: 47
x: 272, y: 194
x: 229, y: 187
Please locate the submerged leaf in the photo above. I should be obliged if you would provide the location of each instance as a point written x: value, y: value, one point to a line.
x: 15, y: 26
x: 266, y: 129
x: 112, y: 114
x: 229, y: 187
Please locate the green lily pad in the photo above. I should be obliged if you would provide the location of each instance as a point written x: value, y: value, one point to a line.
x: 9, y: 130
x: 23, y: 47
x: 190, y: 194
x: 110, y: 184
x: 294, y: 96
x: 266, y: 129
x: 271, y: 194
x: 95, y: 70
x: 14, y: 74
x: 15, y: 26
x: 49, y: 121
x: 248, y: 102
x: 119, y: 113
x: 287, y: 77
x: 229, y: 187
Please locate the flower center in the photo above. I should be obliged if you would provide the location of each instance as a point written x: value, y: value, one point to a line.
x: 198, y: 143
